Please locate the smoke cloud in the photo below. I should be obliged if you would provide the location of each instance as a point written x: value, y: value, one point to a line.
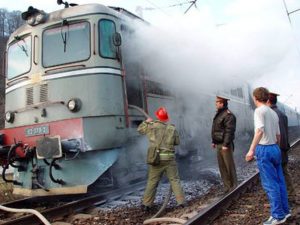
x: 198, y: 59
x: 193, y: 54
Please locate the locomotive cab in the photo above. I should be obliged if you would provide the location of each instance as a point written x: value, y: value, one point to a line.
x: 66, y: 99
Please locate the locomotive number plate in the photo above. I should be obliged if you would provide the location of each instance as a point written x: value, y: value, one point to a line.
x: 34, y: 131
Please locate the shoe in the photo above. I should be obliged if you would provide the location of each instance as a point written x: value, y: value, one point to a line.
x: 182, y: 205
x: 288, y: 215
x: 273, y: 221
x: 146, y: 208
x: 226, y: 191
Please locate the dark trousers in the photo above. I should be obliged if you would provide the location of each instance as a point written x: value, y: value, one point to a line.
x: 155, y: 174
x: 288, y: 179
x: 227, y: 168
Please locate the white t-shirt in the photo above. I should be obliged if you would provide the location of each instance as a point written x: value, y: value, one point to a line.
x: 267, y: 120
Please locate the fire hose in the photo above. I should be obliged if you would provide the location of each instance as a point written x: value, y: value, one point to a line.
x: 8, y: 209
x: 32, y: 211
x: 140, y: 110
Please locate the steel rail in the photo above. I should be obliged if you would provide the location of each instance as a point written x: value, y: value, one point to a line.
x: 68, y: 208
x: 30, y: 201
x: 57, y: 212
x: 212, y: 212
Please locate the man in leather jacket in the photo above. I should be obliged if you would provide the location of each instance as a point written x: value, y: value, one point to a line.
x: 222, y: 133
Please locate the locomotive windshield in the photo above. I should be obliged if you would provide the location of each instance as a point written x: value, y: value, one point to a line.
x: 107, y: 29
x: 66, y: 44
x: 19, y: 57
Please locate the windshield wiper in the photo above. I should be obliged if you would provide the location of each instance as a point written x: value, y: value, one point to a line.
x: 22, y: 46
x: 64, y: 35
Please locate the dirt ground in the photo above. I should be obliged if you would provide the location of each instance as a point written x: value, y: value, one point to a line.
x: 254, y: 208
x: 6, y: 194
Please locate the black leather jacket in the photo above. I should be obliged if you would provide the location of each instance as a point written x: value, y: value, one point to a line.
x: 283, y: 126
x: 223, y: 127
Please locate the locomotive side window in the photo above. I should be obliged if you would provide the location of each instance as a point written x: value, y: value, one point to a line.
x: 107, y: 29
x: 156, y: 88
x: 66, y: 44
x: 238, y: 92
x: 19, y: 57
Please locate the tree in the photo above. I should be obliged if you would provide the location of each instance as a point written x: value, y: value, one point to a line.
x: 3, y: 14
x: 14, y: 21
x: 9, y: 22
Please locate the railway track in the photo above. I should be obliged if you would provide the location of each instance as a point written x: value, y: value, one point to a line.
x: 216, y: 209
x: 52, y: 213
x: 212, y: 208
x: 211, y: 213
x: 247, y: 204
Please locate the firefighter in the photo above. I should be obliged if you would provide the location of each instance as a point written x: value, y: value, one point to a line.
x: 165, y: 136
x: 222, y: 133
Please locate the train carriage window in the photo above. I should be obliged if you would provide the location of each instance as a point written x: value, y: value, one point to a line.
x: 66, y: 44
x: 19, y: 57
x: 238, y: 92
x: 156, y: 88
x: 107, y: 29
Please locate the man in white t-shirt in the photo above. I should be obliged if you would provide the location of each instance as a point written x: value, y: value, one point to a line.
x: 268, y: 155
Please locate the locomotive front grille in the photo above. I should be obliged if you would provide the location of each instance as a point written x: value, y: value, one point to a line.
x: 44, y: 93
x: 29, y: 96
x: 48, y: 147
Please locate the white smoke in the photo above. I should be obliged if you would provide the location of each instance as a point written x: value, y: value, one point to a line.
x: 196, y: 56
x: 192, y: 53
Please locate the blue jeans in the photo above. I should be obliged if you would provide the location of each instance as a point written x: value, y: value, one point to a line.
x: 272, y: 179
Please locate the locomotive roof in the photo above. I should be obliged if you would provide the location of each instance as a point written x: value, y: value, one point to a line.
x: 80, y: 10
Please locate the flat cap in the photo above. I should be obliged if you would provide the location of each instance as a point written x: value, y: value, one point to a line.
x: 222, y: 97
x: 274, y: 94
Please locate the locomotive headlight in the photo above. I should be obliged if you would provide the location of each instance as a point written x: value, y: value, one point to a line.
x: 41, y: 17
x: 34, y: 16
x: 31, y: 20
x: 9, y: 116
x: 74, y: 105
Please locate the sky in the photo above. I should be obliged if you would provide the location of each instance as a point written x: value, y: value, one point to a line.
x: 242, y: 40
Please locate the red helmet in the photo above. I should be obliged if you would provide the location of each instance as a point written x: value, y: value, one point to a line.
x: 162, y: 114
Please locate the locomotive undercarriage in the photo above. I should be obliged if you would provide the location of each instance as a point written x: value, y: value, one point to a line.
x: 42, y: 170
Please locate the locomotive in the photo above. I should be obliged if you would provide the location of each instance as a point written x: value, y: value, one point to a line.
x: 73, y: 102
x: 67, y: 98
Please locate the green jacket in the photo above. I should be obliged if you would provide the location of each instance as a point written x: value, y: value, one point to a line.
x: 223, y: 127
x: 155, y: 130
